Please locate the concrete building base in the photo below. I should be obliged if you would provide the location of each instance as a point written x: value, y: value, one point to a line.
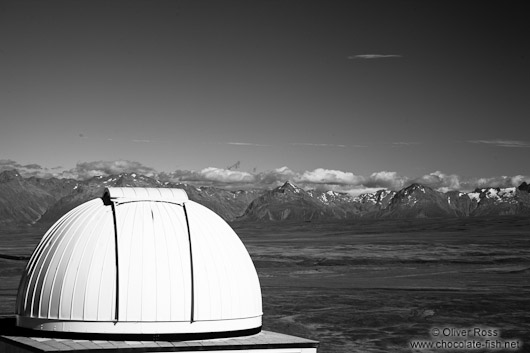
x: 13, y: 340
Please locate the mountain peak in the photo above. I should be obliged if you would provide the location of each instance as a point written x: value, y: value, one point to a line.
x: 415, y: 188
x: 289, y: 186
x: 8, y: 175
x: 524, y: 187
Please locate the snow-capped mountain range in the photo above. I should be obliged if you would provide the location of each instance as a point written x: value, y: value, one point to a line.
x: 29, y: 201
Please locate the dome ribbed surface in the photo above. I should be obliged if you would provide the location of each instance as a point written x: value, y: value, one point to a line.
x: 140, y: 260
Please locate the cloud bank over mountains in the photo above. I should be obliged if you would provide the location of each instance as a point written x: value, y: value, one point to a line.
x: 319, y: 178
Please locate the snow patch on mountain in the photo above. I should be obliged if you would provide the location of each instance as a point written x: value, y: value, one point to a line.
x: 474, y: 196
x: 373, y: 197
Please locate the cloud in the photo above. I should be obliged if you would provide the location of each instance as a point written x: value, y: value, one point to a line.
x: 446, y: 182
x: 335, y: 180
x: 226, y: 176
x: 247, y: 144
x: 328, y: 179
x: 318, y: 144
x: 406, y: 143
x: 373, y: 56
x: 27, y: 170
x: 180, y: 175
x: 33, y: 166
x: 319, y: 178
x: 328, y: 176
x: 276, y: 176
x: 440, y: 181
x: 503, y: 143
x: 501, y: 181
x: 386, y: 180
x: 8, y: 163
x: 210, y: 176
x: 359, y: 190
x: 85, y: 170
x: 141, y: 141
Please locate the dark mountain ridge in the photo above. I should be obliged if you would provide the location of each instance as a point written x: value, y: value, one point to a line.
x: 27, y: 201
x: 286, y: 202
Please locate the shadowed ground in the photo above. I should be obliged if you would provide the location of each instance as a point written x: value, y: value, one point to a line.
x: 370, y: 286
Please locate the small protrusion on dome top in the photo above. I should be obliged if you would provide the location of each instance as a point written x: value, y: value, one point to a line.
x: 144, y: 194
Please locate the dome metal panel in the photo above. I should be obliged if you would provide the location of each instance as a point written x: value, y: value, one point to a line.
x: 225, y: 288
x: 68, y: 267
x: 154, y: 262
x: 140, y: 260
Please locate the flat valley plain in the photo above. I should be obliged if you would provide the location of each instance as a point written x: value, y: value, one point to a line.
x: 371, y: 285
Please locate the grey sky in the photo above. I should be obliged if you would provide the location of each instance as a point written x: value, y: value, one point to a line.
x: 410, y: 87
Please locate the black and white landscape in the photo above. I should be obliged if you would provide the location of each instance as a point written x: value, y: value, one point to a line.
x: 31, y: 200
x: 371, y: 154
x: 360, y: 274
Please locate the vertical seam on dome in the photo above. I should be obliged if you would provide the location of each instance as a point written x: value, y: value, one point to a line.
x: 192, y: 317
x: 117, y: 300
x: 142, y: 257
x: 154, y: 231
x: 126, y: 217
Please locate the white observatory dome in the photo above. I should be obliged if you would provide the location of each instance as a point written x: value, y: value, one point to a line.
x: 140, y: 261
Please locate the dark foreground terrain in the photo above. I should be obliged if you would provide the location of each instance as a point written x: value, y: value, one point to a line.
x: 372, y: 286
